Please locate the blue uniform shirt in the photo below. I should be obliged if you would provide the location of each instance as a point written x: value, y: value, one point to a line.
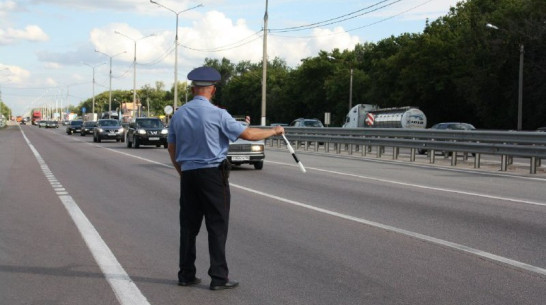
x: 201, y: 132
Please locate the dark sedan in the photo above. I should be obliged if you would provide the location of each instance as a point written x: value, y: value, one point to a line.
x: 75, y: 126
x: 449, y: 126
x: 88, y: 128
x: 108, y: 129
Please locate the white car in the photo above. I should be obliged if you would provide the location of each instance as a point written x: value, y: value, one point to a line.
x: 247, y: 152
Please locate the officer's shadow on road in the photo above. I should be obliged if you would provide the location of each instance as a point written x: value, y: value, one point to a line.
x: 71, y: 271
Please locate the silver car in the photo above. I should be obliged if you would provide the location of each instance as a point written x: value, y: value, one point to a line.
x: 247, y: 152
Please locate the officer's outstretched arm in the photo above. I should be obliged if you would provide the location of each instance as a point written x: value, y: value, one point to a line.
x: 255, y: 134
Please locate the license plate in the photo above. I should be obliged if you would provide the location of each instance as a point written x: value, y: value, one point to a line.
x: 111, y: 134
x: 154, y: 139
x: 240, y: 158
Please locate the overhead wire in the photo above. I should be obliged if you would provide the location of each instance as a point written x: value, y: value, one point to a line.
x: 357, y: 28
x: 247, y: 40
x: 336, y: 20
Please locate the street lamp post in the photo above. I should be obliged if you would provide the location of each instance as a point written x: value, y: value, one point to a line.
x: 134, y: 59
x: 520, y: 78
x: 110, y: 90
x: 351, y: 91
x: 175, y: 47
x: 93, y: 67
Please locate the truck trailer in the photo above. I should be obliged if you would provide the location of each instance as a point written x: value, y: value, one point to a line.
x: 36, y: 116
x: 371, y: 116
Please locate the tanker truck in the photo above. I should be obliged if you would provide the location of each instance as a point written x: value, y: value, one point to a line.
x: 371, y: 116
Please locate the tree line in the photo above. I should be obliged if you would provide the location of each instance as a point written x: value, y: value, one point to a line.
x: 457, y: 69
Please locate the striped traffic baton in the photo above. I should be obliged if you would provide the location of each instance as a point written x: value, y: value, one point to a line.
x: 293, y: 153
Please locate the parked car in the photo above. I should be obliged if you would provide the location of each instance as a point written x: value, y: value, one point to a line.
x: 301, y: 122
x: 146, y: 131
x: 88, y: 128
x: 75, y: 126
x: 52, y: 124
x: 246, y: 152
x: 453, y: 126
x: 448, y: 126
x: 108, y: 129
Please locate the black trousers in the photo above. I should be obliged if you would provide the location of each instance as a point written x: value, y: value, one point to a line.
x: 204, y: 193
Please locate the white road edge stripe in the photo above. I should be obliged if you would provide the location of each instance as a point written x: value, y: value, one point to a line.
x: 459, y: 247
x: 124, y: 288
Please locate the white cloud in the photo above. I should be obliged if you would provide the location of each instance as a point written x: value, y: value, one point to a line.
x: 14, y: 74
x: 30, y: 33
x: 238, y: 42
x: 52, y: 65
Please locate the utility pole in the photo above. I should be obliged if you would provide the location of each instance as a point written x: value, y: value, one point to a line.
x: 264, y: 64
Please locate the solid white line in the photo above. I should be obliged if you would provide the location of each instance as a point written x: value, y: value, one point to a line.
x: 124, y: 288
x: 452, y: 245
x: 422, y: 186
x: 427, y: 238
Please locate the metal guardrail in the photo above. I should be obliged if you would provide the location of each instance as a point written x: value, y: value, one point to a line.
x: 506, y: 144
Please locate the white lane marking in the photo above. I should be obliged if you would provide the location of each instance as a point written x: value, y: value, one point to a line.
x: 421, y: 186
x: 434, y: 240
x: 124, y: 288
x: 427, y: 238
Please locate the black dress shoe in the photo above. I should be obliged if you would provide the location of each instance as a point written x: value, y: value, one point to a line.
x: 194, y: 281
x: 226, y: 285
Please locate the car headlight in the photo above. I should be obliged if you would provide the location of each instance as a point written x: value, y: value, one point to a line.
x: 164, y: 131
x: 120, y: 130
x: 141, y: 131
x: 257, y: 148
x: 101, y: 130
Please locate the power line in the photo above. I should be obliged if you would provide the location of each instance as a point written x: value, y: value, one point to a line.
x: 229, y: 46
x: 360, y: 27
x: 367, y: 10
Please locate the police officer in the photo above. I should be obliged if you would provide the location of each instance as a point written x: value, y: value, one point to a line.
x: 199, y: 135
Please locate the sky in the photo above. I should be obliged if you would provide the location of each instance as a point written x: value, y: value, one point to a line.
x: 50, y: 49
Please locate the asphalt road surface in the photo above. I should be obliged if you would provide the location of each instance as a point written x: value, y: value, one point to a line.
x: 97, y: 223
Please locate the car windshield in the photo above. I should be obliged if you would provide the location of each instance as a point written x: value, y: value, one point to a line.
x: 109, y: 123
x: 454, y: 126
x: 312, y: 124
x: 89, y: 124
x: 76, y: 123
x: 149, y: 124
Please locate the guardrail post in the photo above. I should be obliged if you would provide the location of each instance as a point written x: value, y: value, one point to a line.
x: 533, y: 169
x: 363, y: 150
x: 395, y: 152
x: 504, y: 163
x: 379, y: 151
x: 326, y: 146
x: 454, y: 158
x: 338, y: 148
x: 350, y: 149
x: 412, y: 155
x: 432, y: 156
x: 477, y: 160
